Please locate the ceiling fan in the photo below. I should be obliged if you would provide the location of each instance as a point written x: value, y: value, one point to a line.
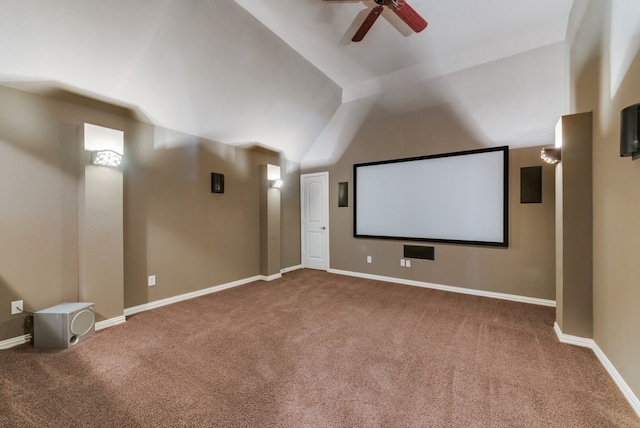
x: 400, y: 8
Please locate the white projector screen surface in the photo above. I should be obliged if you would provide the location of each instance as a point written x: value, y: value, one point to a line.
x: 456, y: 197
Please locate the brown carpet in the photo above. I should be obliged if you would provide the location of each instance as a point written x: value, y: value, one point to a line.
x: 317, y: 350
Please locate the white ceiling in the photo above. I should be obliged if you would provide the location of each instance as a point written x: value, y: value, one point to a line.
x: 461, y: 34
x: 284, y: 73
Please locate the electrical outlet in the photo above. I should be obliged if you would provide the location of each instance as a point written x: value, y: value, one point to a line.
x: 151, y: 280
x: 17, y: 307
x: 369, y: 259
x: 402, y: 262
x: 408, y: 263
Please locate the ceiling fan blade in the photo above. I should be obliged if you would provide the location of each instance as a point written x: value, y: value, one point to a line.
x: 368, y: 22
x: 409, y: 15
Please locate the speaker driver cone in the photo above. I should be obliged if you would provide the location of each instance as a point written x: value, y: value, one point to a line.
x: 82, y: 322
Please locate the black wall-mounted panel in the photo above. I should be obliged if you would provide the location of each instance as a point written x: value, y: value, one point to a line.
x: 343, y: 194
x: 419, y: 252
x: 630, y: 132
x: 531, y: 185
x: 217, y: 183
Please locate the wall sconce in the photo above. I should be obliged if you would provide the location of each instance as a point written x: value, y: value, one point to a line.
x: 106, y: 158
x: 274, y: 177
x: 551, y: 155
x: 106, y: 145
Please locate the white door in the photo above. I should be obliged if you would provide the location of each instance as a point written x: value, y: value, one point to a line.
x: 314, y: 200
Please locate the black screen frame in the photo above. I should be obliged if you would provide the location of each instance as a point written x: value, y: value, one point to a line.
x: 505, y: 191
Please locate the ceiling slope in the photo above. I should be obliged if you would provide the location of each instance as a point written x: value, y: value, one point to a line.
x: 204, y: 68
x: 281, y: 74
x: 461, y: 34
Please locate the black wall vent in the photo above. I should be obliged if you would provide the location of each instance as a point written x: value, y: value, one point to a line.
x: 419, y: 252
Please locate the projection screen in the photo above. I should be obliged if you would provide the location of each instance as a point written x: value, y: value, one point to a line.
x: 459, y: 197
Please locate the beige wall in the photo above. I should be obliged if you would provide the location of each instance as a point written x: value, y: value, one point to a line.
x: 270, y: 254
x: 101, y: 249
x: 574, y: 227
x: 526, y: 268
x: 290, y: 215
x: 606, y: 83
x: 173, y: 226
x: 38, y: 208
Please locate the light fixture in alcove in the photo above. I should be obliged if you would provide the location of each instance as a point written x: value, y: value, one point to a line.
x: 106, y: 158
x: 551, y: 155
x: 273, y: 175
x: 106, y: 145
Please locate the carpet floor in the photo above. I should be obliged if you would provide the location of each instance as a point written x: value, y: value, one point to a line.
x: 313, y: 349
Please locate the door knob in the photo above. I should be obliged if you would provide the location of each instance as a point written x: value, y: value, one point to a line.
x: 322, y: 227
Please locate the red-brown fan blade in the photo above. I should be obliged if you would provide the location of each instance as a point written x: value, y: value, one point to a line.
x: 409, y: 15
x: 368, y: 22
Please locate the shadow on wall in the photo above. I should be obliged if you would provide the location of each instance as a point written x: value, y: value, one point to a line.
x: 181, y: 232
x: 174, y: 226
x: 389, y: 135
x: 66, y: 93
x: 48, y: 131
x: 41, y: 159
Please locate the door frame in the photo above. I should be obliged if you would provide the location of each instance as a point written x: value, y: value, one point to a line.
x: 303, y: 238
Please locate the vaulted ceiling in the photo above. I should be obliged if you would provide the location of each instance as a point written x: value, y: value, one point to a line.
x: 284, y: 74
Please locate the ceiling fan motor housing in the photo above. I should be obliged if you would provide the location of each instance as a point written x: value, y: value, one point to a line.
x: 400, y: 8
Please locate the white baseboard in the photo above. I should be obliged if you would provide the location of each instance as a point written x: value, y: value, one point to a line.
x: 271, y: 277
x: 100, y: 325
x: 471, y: 291
x: 26, y: 338
x: 609, y: 367
x: 15, y: 341
x: 291, y: 268
x: 573, y: 340
x: 179, y: 298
